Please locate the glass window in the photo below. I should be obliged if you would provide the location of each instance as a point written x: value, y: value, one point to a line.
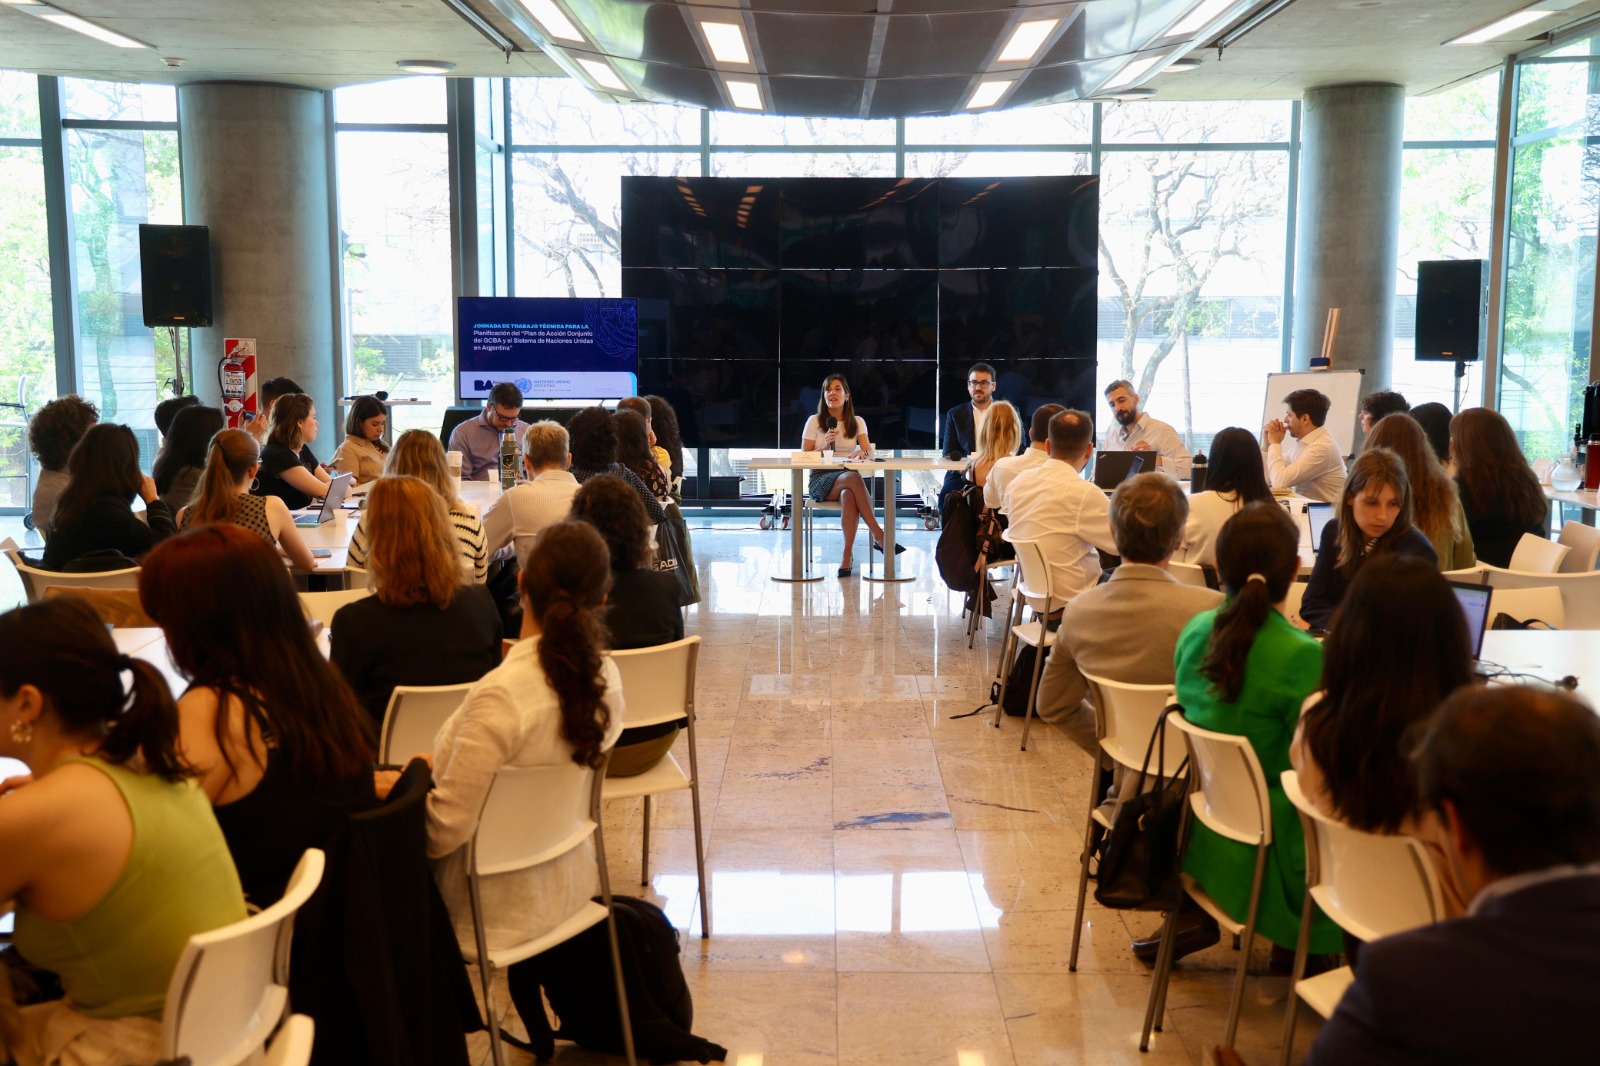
x: 737, y: 128
x: 27, y: 334
x: 1236, y: 121
x: 1048, y: 124
x: 553, y: 112
x: 19, y: 104
x: 1467, y: 112
x: 1552, y: 96
x: 394, y: 220
x: 863, y: 164
x: 980, y: 164
x: 118, y: 101
x: 407, y: 100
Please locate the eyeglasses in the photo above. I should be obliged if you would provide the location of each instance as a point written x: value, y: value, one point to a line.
x: 980, y: 384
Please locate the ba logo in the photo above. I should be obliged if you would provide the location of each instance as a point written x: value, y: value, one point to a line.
x: 480, y: 385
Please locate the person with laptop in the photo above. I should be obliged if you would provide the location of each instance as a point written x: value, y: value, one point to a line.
x: 1312, y: 466
x: 289, y: 469
x: 418, y: 454
x: 232, y: 462
x: 478, y: 439
x: 1384, y: 670
x: 1436, y: 505
x: 272, y: 390
x: 963, y: 425
x: 1133, y: 430
x: 1053, y: 502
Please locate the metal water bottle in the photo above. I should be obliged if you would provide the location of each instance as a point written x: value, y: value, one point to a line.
x: 508, y: 460
x: 1197, y: 474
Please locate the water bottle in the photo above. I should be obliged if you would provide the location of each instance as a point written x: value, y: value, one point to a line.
x: 508, y: 460
x: 1197, y: 474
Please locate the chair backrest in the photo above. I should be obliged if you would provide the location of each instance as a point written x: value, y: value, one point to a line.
x: 1583, y: 543
x: 1371, y: 885
x: 533, y: 815
x: 35, y: 580
x: 1291, y: 603
x: 658, y: 682
x: 1188, y: 574
x: 322, y: 606
x: 1528, y: 605
x: 1230, y: 794
x: 1538, y: 555
x: 413, y: 719
x: 1472, y: 575
x: 293, y: 1044
x: 230, y: 987
x: 1580, y: 593
x: 355, y: 577
x: 1125, y: 717
x: 1033, y: 575
x: 116, y: 607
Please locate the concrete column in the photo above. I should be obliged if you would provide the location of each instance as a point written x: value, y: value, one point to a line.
x: 1349, y: 226
x: 255, y: 169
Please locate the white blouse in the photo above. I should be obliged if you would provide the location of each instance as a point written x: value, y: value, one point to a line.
x: 1207, y: 512
x: 815, y: 433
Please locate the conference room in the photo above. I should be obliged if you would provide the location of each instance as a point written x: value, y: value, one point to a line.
x: 829, y: 263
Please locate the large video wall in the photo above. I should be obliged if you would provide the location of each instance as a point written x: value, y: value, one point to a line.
x: 752, y: 291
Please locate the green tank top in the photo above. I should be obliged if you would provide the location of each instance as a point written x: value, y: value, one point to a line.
x: 117, y: 959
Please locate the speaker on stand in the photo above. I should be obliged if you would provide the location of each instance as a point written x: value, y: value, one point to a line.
x: 175, y: 276
x: 1450, y: 314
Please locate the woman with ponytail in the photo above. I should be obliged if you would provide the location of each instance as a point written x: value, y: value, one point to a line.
x: 276, y: 738
x: 112, y: 855
x: 556, y: 698
x: 233, y: 460
x: 1244, y: 669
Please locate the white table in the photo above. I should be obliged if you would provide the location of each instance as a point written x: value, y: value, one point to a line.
x: 149, y: 644
x: 1549, y: 654
x: 799, y: 565
x: 334, y: 535
x: 1587, y: 502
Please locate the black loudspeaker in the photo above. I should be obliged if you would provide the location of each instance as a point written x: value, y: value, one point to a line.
x: 175, y: 269
x: 1449, y: 303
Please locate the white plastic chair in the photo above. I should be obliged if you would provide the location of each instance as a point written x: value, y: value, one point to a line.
x: 355, y: 577
x: 1580, y: 593
x: 292, y: 1047
x: 658, y: 687
x: 531, y: 816
x: 1297, y: 595
x: 1537, y: 555
x: 230, y: 987
x: 1584, y: 544
x: 1527, y: 605
x: 1229, y: 796
x: 414, y: 717
x: 1472, y: 575
x: 1188, y: 574
x: 1033, y: 588
x: 35, y: 580
x: 1125, y: 719
x: 1369, y: 884
x: 322, y: 606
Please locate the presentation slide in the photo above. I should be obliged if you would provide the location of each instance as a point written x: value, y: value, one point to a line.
x: 552, y: 348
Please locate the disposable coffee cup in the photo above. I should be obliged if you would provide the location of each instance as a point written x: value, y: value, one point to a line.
x: 454, y: 460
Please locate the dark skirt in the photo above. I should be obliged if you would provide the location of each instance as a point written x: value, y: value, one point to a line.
x: 822, y: 484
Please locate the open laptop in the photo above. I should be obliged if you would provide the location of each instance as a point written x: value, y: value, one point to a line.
x: 331, y: 502
x: 1474, y: 601
x: 1113, y: 468
x: 1319, y: 515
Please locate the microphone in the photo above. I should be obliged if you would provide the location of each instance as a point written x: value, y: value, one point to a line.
x: 831, y: 423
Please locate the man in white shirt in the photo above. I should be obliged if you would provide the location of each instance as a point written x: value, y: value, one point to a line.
x: 1053, y: 503
x: 1134, y: 431
x: 521, y: 514
x: 1004, y: 471
x: 1314, y: 468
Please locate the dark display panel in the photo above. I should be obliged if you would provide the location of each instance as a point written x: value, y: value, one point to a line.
x: 858, y: 223
x: 851, y: 316
x: 1019, y: 222
x: 712, y: 223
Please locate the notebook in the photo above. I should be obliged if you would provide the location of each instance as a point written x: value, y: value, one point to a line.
x: 1113, y: 468
x: 331, y: 502
x: 1474, y: 601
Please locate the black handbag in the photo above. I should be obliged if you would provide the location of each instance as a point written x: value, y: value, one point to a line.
x: 1143, y: 851
x: 673, y: 555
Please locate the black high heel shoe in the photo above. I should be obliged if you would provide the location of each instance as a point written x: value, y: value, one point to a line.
x: 846, y: 571
x: 899, y: 549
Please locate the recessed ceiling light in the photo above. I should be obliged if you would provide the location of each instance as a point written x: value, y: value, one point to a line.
x: 425, y: 66
x: 1027, y: 39
x: 88, y: 29
x: 1199, y: 17
x: 1133, y: 94
x: 1502, y: 27
x: 744, y: 93
x: 1131, y: 73
x: 552, y: 19
x: 603, y: 75
x: 21, y: 3
x: 726, y: 41
x: 988, y: 93
x: 1178, y: 66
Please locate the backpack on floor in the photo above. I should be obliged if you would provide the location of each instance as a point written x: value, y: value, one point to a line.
x: 577, y: 980
x: 1018, y: 681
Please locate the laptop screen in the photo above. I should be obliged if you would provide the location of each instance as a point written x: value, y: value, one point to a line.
x: 1474, y: 601
x: 1112, y: 468
x: 1319, y: 515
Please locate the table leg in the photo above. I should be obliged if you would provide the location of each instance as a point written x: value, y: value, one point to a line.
x: 798, y: 563
x: 891, y: 485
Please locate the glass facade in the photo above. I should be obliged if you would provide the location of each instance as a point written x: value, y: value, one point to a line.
x: 27, y: 333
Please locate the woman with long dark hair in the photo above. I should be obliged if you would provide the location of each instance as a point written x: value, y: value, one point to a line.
x: 1383, y: 670
x: 1435, y: 508
x: 101, y: 901
x: 95, y: 513
x: 289, y: 468
x: 1234, y: 478
x: 1499, y: 491
x: 364, y: 450
x: 178, y: 467
x: 557, y: 698
x: 634, y: 452
x: 1434, y: 418
x: 277, y: 739
x: 592, y: 435
x: 232, y: 462
x: 664, y: 423
x: 1374, y: 518
x: 837, y: 428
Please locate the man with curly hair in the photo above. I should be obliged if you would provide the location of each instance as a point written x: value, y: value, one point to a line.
x: 55, y: 430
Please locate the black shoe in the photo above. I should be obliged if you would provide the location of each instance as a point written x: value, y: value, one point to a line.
x: 846, y: 571
x: 1193, y: 934
x: 899, y: 549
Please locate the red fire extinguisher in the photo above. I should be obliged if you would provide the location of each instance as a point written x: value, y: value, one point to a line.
x: 236, y: 376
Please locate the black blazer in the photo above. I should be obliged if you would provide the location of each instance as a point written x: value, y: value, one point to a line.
x: 109, y: 523
x: 960, y: 436
x: 1494, y: 536
x: 1328, y: 582
x: 1517, y: 982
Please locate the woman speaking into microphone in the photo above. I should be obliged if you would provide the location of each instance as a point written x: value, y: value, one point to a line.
x: 836, y: 428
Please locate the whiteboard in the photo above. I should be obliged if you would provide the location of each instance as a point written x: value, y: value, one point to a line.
x: 1341, y: 387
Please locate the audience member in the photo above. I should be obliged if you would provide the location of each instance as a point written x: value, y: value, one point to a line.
x: 271, y: 391
x: 634, y: 453
x: 556, y: 700
x: 640, y: 406
x: 1133, y: 430
x: 1036, y: 453
x: 1383, y: 670
x: 1435, y: 508
x: 1053, y: 503
x: 276, y: 737
x: 54, y: 431
x: 1125, y: 629
x: 1434, y: 418
x: 364, y: 450
x: 1500, y: 493
x: 1374, y: 517
x: 642, y: 608
x: 1001, y: 437
x: 1314, y: 468
x: 592, y: 437
x: 421, y: 625
x: 1243, y: 669
x: 417, y: 454
x: 533, y: 505
x: 478, y: 439
x: 166, y: 411
x: 183, y: 456
x: 232, y: 461
x: 95, y: 513
x: 838, y: 429
x: 1376, y: 406
x: 102, y: 901
x: 289, y: 469
x: 1234, y: 478
x: 1513, y: 773
x: 669, y: 439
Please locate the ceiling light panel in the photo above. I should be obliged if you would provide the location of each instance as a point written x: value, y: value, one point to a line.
x: 552, y: 20
x: 1131, y: 73
x: 88, y: 29
x: 1503, y: 27
x: 1199, y: 17
x: 726, y: 41
x: 603, y: 75
x: 988, y: 93
x: 744, y: 93
x: 1027, y: 39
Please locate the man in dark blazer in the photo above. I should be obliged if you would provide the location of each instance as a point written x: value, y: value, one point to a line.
x: 961, y: 424
x: 1514, y: 774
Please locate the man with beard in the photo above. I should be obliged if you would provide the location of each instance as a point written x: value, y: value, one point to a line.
x: 1135, y: 431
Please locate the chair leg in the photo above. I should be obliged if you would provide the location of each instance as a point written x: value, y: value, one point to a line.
x: 1090, y: 833
x: 699, y: 835
x: 644, y: 860
x: 1158, y: 986
x: 975, y: 616
x: 1237, y: 1003
x: 616, y: 950
x: 491, y: 1017
x: 1033, y: 687
x: 1301, y: 947
x: 1007, y: 650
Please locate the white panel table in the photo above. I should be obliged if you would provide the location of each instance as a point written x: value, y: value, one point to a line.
x: 1549, y: 655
